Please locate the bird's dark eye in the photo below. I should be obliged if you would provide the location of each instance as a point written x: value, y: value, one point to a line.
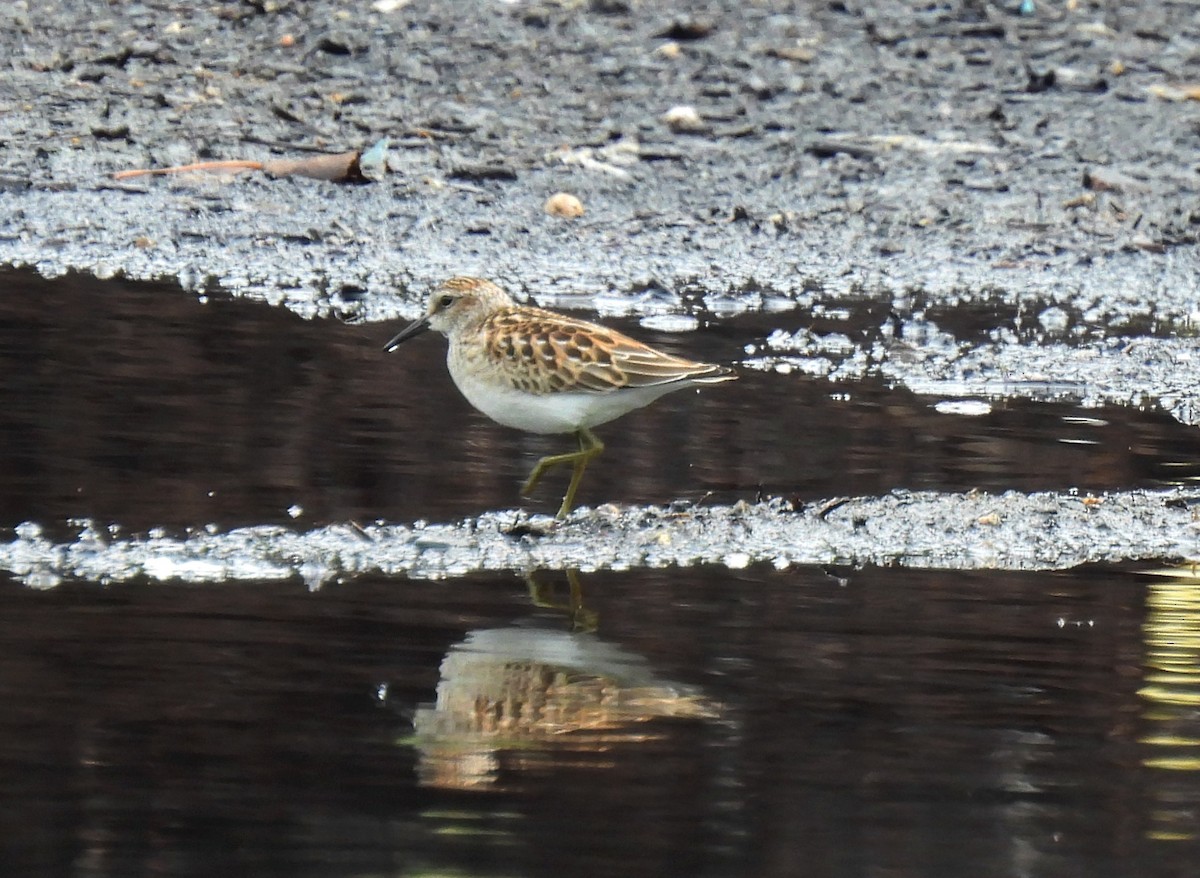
x: 446, y: 301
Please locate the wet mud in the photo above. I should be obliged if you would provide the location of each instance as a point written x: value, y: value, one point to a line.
x: 961, y: 150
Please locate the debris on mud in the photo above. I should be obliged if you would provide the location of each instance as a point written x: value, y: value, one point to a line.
x: 347, y: 167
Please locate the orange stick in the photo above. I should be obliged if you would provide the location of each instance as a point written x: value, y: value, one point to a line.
x: 227, y: 165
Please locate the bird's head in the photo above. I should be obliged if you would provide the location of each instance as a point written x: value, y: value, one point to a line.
x: 454, y: 304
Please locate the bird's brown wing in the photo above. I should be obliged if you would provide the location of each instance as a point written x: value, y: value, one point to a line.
x: 557, y: 353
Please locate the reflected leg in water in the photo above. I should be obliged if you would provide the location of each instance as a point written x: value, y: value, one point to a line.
x: 542, y: 595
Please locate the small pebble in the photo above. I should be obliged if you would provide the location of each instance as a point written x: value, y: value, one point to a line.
x: 683, y: 118
x: 564, y: 204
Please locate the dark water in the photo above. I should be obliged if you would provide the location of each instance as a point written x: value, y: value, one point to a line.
x: 139, y: 405
x: 888, y: 723
x: 710, y: 722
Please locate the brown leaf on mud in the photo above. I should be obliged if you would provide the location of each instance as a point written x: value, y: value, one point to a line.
x: 340, y: 168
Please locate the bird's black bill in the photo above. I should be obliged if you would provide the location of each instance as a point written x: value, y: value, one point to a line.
x: 414, y: 328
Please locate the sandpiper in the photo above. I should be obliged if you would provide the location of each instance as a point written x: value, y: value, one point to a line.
x: 543, y: 372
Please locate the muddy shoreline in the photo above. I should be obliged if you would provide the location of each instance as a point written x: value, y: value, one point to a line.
x: 975, y: 531
x: 862, y: 149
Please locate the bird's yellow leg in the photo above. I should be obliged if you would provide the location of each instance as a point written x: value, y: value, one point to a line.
x: 543, y: 466
x: 589, y: 447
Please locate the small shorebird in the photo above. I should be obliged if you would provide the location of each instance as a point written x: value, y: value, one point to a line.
x: 544, y: 372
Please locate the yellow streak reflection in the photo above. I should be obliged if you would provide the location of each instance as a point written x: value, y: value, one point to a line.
x: 1171, y: 692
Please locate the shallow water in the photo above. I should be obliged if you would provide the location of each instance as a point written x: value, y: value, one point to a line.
x: 137, y: 404
x: 683, y: 721
x: 818, y: 722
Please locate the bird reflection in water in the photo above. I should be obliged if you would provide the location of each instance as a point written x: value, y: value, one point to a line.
x: 507, y: 695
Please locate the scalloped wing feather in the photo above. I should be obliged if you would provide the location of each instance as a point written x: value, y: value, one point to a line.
x: 552, y: 352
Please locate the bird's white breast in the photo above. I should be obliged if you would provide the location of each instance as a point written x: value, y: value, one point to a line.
x: 563, y: 411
